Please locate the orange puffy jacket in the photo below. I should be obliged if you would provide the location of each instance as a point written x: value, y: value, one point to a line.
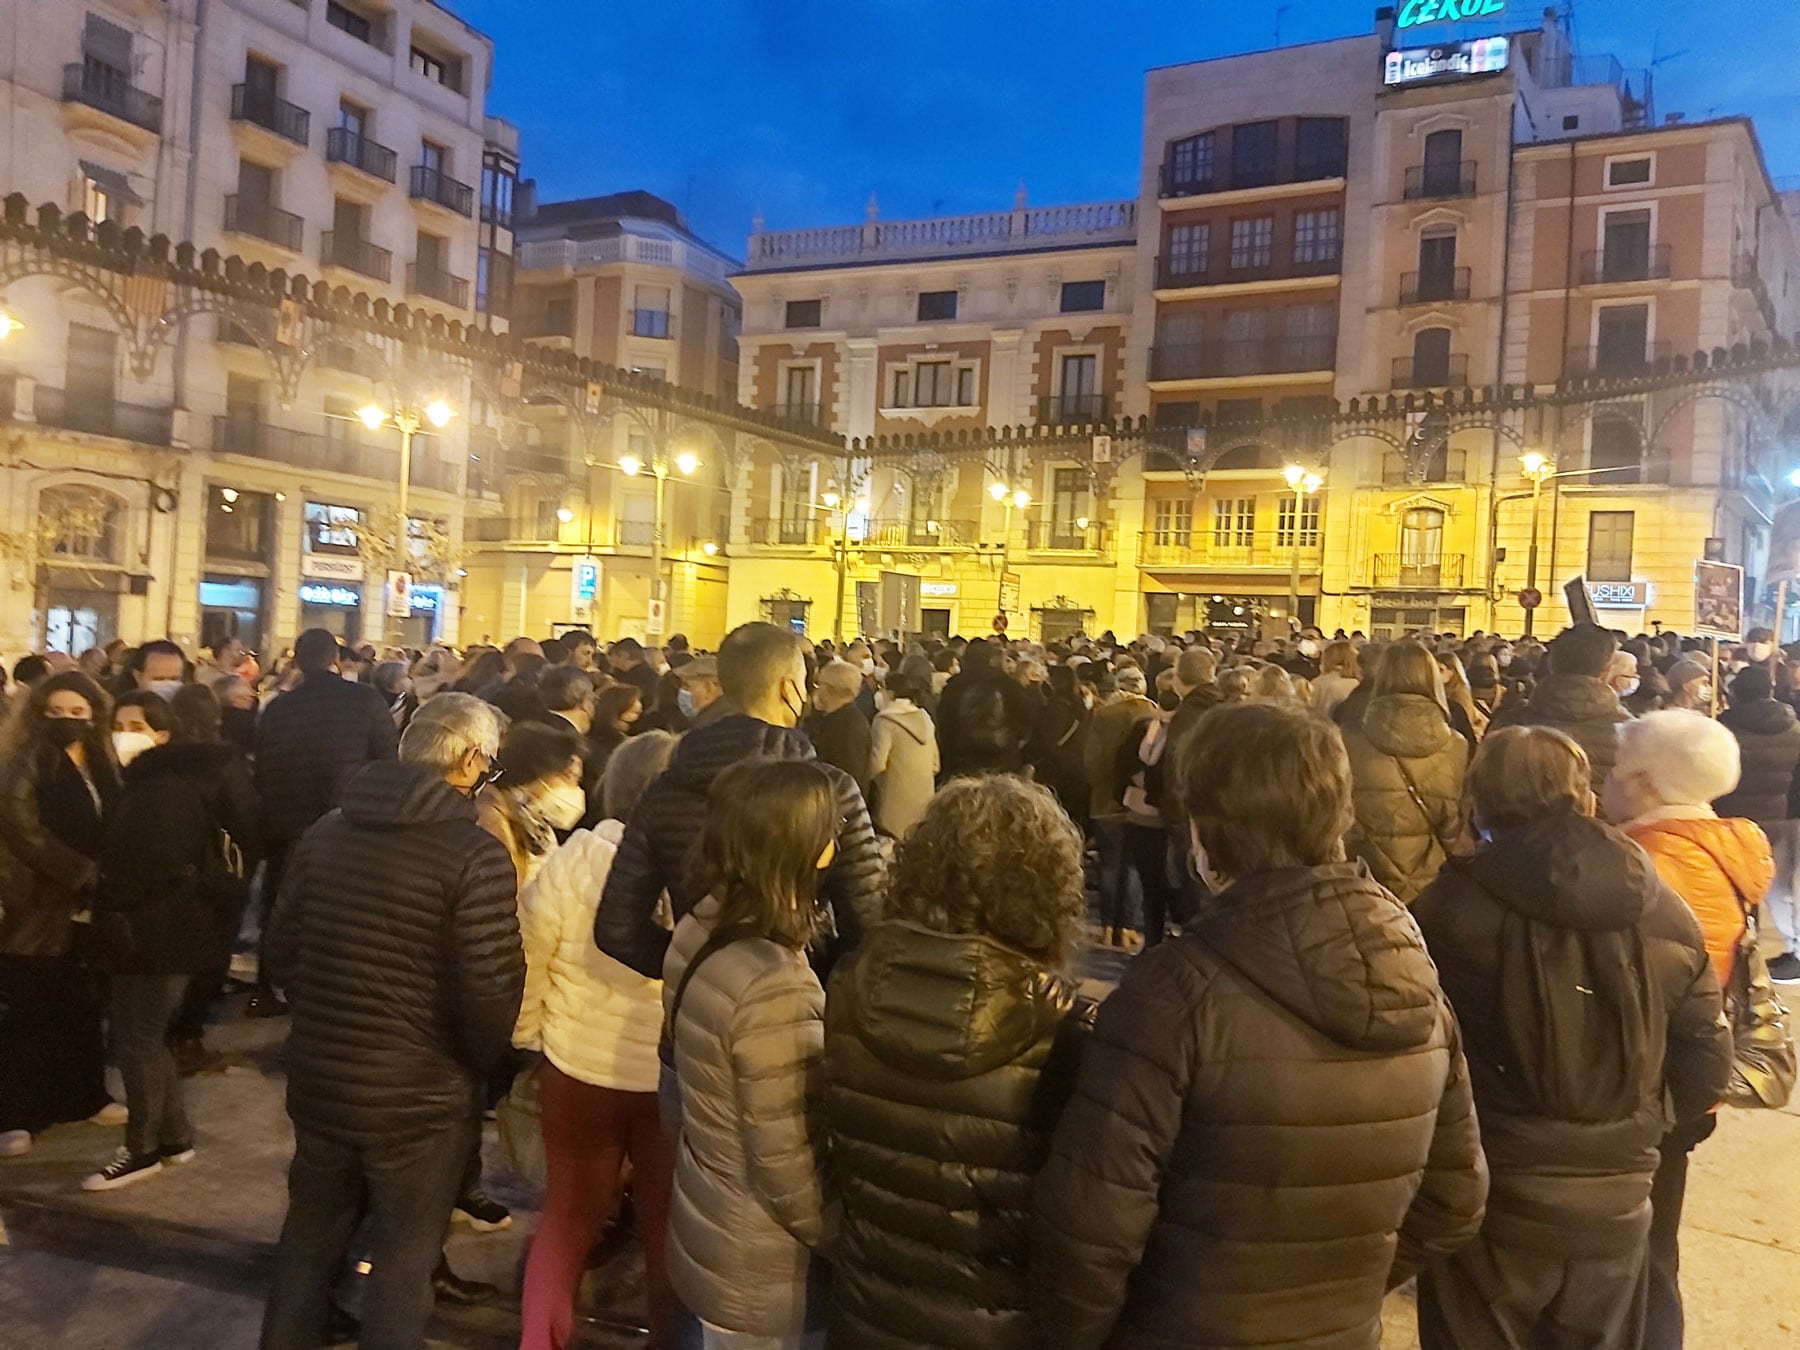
x: 1702, y: 860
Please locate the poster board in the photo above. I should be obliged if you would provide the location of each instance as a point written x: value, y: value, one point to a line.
x: 1719, y: 599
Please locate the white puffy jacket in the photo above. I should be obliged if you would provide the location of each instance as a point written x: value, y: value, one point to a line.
x: 595, y: 1019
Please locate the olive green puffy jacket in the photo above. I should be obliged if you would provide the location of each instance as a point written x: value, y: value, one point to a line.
x: 1406, y: 771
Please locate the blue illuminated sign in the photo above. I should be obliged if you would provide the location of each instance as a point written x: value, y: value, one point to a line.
x: 319, y: 593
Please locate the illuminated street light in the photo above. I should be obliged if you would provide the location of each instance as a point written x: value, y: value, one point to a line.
x: 1081, y: 522
x: 997, y: 491
x: 830, y: 499
x: 1304, y: 481
x: 229, y: 494
x: 710, y: 549
x: 1534, y: 465
x: 8, y: 325
x: 564, y: 514
x: 862, y: 506
x: 632, y: 465
x: 439, y: 413
x: 687, y: 462
x: 1794, y: 478
x: 1021, y: 499
x: 372, y: 416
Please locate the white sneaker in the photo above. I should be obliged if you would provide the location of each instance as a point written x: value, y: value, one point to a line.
x: 179, y: 1158
x: 113, y: 1113
x: 124, y: 1170
x: 14, y: 1143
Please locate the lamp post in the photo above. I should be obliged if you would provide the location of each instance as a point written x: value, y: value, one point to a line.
x: 1009, y: 497
x: 835, y: 504
x: 1303, y: 481
x: 1535, y: 466
x: 684, y: 463
x: 408, y: 419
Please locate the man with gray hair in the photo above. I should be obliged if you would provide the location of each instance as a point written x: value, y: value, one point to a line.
x: 396, y: 937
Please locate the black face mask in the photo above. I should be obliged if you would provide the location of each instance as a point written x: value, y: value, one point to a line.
x: 64, y: 731
x: 488, y: 775
x: 1168, y: 700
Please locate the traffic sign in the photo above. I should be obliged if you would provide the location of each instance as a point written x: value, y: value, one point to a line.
x: 1530, y: 598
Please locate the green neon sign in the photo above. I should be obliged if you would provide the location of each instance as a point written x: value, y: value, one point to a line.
x: 1416, y: 13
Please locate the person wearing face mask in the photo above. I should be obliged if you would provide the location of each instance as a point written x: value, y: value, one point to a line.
x: 170, y: 896
x: 159, y: 666
x: 1690, y: 685
x: 309, y: 741
x: 1285, y: 1076
x: 58, y: 783
x: 140, y: 722
x: 413, y: 975
x: 762, y: 671
x: 1574, y: 696
x: 701, y: 700
x: 536, y: 793
x: 835, y: 724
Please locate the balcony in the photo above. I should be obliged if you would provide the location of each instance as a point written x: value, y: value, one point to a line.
x: 1230, y: 359
x: 1630, y: 262
x: 1448, y: 372
x: 260, y: 220
x: 1224, y: 549
x: 344, y: 146
x: 1073, y: 410
x: 1024, y: 230
x: 922, y: 534
x: 634, y: 534
x: 1617, y: 358
x: 287, y: 120
x: 812, y: 414
x: 99, y: 415
x: 434, y: 283
x: 1170, y: 184
x: 101, y: 87
x: 796, y: 531
x: 1434, y: 286
x: 1176, y: 275
x: 1065, y: 536
x: 1404, y: 572
x: 355, y: 255
x: 437, y: 187
x: 344, y: 449
x: 652, y: 323
x: 1435, y: 182
x: 548, y: 324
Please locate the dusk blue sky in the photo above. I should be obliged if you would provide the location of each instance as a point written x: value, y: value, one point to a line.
x: 802, y: 108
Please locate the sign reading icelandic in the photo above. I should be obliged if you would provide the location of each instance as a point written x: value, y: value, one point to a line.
x: 1481, y: 56
x: 1417, y: 13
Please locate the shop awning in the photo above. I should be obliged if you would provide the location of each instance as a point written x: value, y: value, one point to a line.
x: 113, y: 183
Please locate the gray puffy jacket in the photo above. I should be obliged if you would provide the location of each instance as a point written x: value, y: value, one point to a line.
x: 750, y: 1205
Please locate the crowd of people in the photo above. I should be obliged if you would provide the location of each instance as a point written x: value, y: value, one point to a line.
x: 1443, y: 966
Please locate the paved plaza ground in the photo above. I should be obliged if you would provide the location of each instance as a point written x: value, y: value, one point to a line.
x: 181, y: 1261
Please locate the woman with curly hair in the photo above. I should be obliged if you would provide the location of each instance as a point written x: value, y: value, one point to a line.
x: 950, y: 1046
x: 58, y: 781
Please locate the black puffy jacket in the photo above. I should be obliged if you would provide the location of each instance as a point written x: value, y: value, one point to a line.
x: 396, y: 937
x: 1768, y: 737
x: 984, y: 720
x: 308, y: 743
x: 1581, y: 707
x: 1591, y: 1020
x: 1272, y: 1127
x: 665, y: 824
x: 948, y: 1060
x: 163, y: 867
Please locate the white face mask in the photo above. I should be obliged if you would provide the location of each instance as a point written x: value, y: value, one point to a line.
x: 128, y: 745
x: 1210, y: 877
x: 165, y: 689
x: 1628, y: 687
x: 1308, y: 647
x: 1703, y: 694
x: 563, y: 806
x: 883, y: 699
x: 1503, y: 658
x: 867, y: 665
x: 1761, y: 651
x: 685, y: 701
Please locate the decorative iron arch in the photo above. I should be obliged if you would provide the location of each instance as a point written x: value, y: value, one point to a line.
x: 98, y: 282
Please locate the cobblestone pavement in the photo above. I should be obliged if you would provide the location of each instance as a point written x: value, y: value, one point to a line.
x: 181, y: 1260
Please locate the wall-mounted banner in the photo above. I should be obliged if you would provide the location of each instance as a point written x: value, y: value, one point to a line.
x: 1452, y: 60
x: 1418, y: 13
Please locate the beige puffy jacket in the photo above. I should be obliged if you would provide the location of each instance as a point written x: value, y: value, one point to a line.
x: 750, y: 1205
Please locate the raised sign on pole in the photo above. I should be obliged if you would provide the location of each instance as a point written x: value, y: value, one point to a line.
x: 1719, y: 599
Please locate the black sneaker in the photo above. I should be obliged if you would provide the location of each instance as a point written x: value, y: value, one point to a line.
x: 266, y: 1003
x: 1785, y: 969
x: 481, y: 1213
x: 450, y: 1287
x: 125, y: 1169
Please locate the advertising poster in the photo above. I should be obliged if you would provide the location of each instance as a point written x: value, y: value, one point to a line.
x: 1718, y: 599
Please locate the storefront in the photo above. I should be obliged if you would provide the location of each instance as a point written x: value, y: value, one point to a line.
x: 425, y: 625
x: 333, y: 606
x: 234, y: 587
x: 333, y: 573
x: 81, y: 573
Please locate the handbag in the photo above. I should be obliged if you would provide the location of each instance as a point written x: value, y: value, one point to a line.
x: 1762, y: 1062
x: 519, y: 1117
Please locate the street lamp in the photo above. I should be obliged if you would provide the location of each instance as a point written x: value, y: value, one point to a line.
x: 1009, y: 498
x: 8, y: 325
x: 1304, y: 481
x: 684, y: 463
x: 408, y: 419
x: 1537, y: 467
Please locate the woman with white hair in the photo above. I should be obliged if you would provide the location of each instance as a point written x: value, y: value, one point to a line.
x: 1671, y: 765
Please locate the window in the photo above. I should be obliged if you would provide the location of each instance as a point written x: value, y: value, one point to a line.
x: 1253, y: 147
x: 1628, y: 173
x: 1318, y: 236
x: 1309, y: 523
x: 1319, y: 147
x: 433, y: 156
x: 261, y: 80
x: 798, y: 398
x: 1245, y: 331
x: 1625, y: 256
x: 1252, y: 242
x: 1443, y: 164
x: 934, y: 384
x: 1421, y: 545
x: 431, y: 67
x: 936, y: 305
x: 80, y: 523
x: 1228, y: 410
x: 92, y: 365
x: 803, y: 313
x: 1081, y: 297
x: 1311, y: 337
x: 965, y: 387
x: 497, y: 195
x: 1191, y: 165
x: 650, y: 311
x: 358, y: 26
x: 1613, y: 445
x: 1437, y: 263
x: 1571, y: 121
x: 1188, y: 247
x: 353, y: 118
x: 243, y: 398
x: 1234, y: 522
x: 1180, y: 413
x: 331, y: 528
x: 1173, y: 522
x: 1609, y: 545
x: 95, y: 203
x: 1068, y: 504
x: 559, y: 316
x: 1080, y: 386
x: 1622, y: 338
x: 1431, y: 357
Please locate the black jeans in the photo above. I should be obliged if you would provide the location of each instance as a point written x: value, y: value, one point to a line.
x: 1665, y: 1324
x: 52, y: 1061
x: 1148, y: 849
x: 142, y: 1006
x: 408, y: 1186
